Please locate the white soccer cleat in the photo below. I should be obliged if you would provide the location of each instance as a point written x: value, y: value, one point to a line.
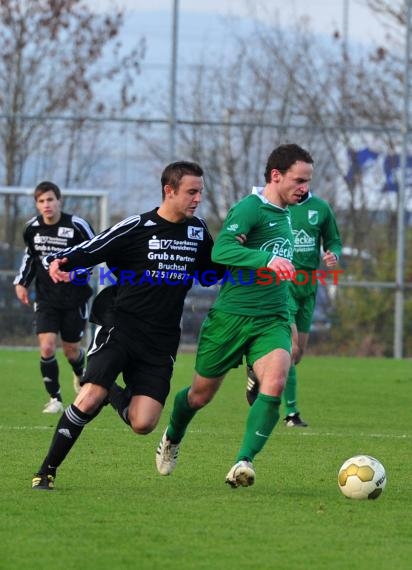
x: 166, y: 455
x: 242, y: 474
x: 76, y: 383
x: 53, y: 406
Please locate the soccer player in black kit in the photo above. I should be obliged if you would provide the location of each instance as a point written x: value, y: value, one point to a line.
x: 59, y: 307
x: 153, y: 257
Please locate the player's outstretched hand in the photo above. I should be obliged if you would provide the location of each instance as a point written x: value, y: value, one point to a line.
x: 56, y: 274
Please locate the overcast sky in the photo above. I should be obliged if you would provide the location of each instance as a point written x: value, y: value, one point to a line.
x: 324, y: 15
x: 203, y: 30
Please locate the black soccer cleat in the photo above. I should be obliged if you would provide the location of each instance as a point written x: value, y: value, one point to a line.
x: 294, y: 420
x: 43, y: 482
x: 252, y: 388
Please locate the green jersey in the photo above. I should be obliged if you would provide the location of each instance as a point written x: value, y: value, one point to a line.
x: 314, y: 225
x: 249, y: 287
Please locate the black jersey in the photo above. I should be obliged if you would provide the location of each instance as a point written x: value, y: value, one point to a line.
x: 43, y: 239
x: 155, y: 263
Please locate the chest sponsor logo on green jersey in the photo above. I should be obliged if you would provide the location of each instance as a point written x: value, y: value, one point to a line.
x: 303, y: 241
x: 279, y: 246
x: 313, y: 217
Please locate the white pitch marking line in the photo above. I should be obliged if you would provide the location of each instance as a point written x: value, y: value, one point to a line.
x: 276, y: 434
x: 332, y: 434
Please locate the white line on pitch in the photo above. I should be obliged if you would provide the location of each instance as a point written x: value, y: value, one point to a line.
x: 276, y: 433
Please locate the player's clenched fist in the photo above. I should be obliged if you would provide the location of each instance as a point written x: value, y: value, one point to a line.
x: 283, y: 268
x: 56, y: 273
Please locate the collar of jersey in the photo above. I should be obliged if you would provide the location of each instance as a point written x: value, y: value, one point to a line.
x: 257, y: 191
x: 308, y: 197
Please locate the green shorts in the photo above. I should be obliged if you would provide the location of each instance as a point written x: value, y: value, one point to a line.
x: 225, y: 338
x: 301, y: 303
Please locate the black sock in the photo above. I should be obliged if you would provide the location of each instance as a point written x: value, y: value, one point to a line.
x: 78, y: 364
x: 50, y: 371
x: 68, y: 429
x: 119, y: 399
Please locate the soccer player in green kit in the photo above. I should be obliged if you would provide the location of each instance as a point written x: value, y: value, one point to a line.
x: 314, y: 226
x: 250, y: 317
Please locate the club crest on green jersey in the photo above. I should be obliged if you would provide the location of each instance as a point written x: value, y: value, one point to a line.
x: 313, y: 217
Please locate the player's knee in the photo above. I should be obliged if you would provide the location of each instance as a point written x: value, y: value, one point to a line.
x: 199, y: 400
x: 48, y: 351
x: 274, y: 385
x: 143, y: 428
x: 142, y: 423
x: 71, y: 352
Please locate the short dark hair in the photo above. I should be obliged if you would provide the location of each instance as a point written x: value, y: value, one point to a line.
x: 284, y: 156
x: 46, y: 186
x: 174, y: 172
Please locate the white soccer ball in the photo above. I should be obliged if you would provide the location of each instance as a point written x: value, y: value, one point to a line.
x: 362, y: 477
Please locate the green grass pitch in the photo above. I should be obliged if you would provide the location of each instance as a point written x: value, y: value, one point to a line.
x: 111, y: 510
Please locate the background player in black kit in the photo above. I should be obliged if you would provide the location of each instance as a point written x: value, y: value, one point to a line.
x: 59, y: 307
x: 152, y: 256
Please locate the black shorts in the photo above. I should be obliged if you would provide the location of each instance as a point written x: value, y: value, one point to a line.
x: 70, y: 323
x: 113, y: 352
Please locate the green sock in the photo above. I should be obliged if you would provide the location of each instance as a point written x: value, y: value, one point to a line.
x: 262, y: 418
x: 289, y: 394
x: 180, y: 417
